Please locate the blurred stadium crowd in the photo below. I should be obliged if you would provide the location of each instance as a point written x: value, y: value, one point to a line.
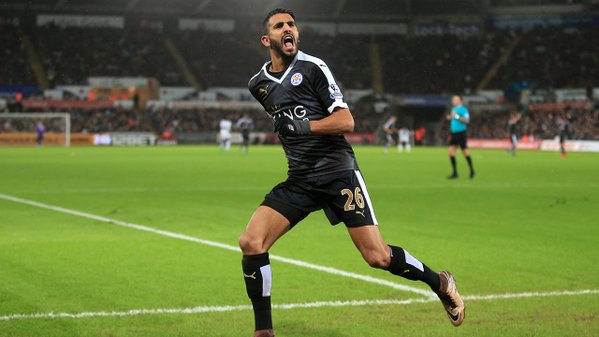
x: 549, y: 57
x: 537, y: 124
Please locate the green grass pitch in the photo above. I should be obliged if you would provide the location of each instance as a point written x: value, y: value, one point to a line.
x: 528, y: 223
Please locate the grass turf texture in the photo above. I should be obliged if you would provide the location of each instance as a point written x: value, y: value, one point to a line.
x: 525, y: 224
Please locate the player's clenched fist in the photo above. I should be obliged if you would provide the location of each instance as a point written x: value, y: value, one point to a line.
x: 287, y: 126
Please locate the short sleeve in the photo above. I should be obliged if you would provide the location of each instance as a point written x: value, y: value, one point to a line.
x: 326, y: 87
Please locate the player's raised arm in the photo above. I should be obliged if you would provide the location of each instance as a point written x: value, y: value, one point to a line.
x: 340, y: 121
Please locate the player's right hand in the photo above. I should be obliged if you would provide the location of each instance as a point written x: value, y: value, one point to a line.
x: 287, y: 126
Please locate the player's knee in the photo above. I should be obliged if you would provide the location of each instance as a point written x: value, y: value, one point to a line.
x: 377, y: 259
x: 250, y: 245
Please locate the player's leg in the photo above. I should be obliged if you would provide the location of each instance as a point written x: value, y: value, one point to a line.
x: 394, y: 259
x: 398, y: 261
x: 406, y: 145
x: 349, y: 202
x: 468, y: 159
x: 389, y: 143
x: 270, y: 221
x: 399, y: 144
x: 264, y: 228
x: 562, y: 145
x: 244, y: 141
x: 454, y: 172
x: 227, y: 144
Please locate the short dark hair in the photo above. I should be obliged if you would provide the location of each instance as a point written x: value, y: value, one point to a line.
x: 274, y: 12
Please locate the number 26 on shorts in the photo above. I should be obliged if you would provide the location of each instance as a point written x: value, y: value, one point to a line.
x: 356, y: 196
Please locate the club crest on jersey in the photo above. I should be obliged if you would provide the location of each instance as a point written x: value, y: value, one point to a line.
x: 296, y: 79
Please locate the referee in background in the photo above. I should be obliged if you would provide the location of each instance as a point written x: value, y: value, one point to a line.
x: 458, y: 125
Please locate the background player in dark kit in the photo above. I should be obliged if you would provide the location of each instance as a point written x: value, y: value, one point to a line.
x: 513, y: 130
x: 40, y: 130
x: 390, y: 132
x: 299, y: 92
x: 245, y: 124
x: 563, y: 126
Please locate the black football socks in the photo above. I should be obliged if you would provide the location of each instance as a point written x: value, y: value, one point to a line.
x: 405, y: 265
x: 453, y: 166
x: 469, y: 160
x: 258, y: 281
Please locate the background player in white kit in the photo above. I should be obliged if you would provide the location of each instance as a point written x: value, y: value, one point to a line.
x: 404, y: 140
x: 225, y: 125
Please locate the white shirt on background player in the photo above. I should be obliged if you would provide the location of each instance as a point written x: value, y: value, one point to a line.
x: 225, y: 128
x: 404, y: 135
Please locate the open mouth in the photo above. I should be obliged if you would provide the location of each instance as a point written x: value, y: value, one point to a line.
x: 288, y: 41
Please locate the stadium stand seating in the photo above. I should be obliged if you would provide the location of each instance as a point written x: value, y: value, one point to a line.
x: 103, y: 52
x: 551, y: 57
x: 547, y: 57
x: 13, y: 58
x: 221, y: 59
x: 440, y: 64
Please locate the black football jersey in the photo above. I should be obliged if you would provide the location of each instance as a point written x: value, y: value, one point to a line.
x: 245, y: 124
x: 512, y: 127
x: 306, y: 90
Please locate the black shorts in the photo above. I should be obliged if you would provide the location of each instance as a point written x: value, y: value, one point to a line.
x: 342, y: 196
x: 514, y: 138
x: 245, y: 134
x: 562, y: 137
x: 459, y: 139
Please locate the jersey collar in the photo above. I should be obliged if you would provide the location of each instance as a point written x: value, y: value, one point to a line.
x: 280, y: 80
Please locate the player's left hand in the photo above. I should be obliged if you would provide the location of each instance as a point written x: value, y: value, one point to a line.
x: 287, y: 126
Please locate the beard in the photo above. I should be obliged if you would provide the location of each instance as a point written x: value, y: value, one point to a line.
x: 277, y: 47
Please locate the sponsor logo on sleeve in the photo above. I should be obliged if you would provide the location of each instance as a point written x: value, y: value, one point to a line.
x: 335, y: 92
x: 263, y: 90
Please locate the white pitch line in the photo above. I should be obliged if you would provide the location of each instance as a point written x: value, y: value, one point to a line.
x: 146, y: 189
x: 322, y: 304
x: 299, y: 263
x: 532, y: 294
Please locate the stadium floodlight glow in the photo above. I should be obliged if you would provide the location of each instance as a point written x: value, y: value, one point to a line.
x: 63, y: 124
